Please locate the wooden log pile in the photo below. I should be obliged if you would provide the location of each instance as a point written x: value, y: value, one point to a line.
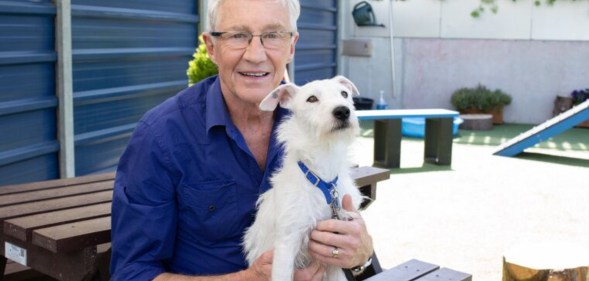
x: 547, y: 261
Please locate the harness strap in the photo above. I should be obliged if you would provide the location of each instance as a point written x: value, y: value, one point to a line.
x: 328, y: 188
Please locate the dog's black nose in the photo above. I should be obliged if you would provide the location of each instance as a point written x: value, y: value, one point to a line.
x: 341, y: 113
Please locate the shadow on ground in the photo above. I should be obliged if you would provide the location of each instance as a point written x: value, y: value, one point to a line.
x: 564, y: 160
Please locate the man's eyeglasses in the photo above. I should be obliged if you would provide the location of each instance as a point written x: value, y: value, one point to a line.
x: 240, y: 40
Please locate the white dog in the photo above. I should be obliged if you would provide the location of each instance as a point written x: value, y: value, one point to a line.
x: 314, y: 177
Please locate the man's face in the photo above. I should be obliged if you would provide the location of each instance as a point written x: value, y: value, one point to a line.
x: 248, y: 75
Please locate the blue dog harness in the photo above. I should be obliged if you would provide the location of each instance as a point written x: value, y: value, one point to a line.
x: 327, y: 188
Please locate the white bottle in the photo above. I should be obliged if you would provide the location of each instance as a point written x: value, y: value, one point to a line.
x: 382, y: 103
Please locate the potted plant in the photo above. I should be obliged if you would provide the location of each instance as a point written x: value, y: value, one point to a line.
x: 481, y: 99
x: 201, y: 66
x: 578, y: 97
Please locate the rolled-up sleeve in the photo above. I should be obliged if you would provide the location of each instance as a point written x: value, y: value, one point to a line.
x: 144, y: 213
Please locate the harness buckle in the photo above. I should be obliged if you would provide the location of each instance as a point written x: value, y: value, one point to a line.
x: 317, y: 179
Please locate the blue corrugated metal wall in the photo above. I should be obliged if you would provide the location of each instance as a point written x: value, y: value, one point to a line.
x: 28, y: 132
x: 316, y: 54
x: 128, y: 56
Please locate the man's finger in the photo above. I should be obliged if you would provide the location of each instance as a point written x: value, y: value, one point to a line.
x: 348, y: 204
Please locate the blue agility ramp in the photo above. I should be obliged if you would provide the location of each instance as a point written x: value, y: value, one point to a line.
x: 546, y: 130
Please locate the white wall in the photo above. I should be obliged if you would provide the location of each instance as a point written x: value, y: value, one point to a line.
x: 531, y: 52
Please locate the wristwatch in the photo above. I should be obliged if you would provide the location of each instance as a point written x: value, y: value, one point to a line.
x: 360, y: 269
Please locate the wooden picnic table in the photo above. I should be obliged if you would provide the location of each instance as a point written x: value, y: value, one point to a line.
x: 387, y: 134
x: 62, y: 228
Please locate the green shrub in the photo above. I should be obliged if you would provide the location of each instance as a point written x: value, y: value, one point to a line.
x: 201, y: 66
x: 479, y: 98
x: 462, y: 99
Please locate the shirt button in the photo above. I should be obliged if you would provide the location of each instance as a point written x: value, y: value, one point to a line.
x: 212, y: 208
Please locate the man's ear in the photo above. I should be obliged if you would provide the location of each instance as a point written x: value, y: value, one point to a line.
x: 347, y: 83
x: 292, y: 47
x: 283, y: 95
x: 209, y: 44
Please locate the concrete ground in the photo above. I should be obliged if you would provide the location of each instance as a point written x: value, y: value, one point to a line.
x: 466, y: 217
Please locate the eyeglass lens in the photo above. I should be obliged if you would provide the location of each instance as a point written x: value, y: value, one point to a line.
x: 270, y: 40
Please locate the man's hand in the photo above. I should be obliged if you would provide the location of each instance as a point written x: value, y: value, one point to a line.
x: 261, y: 269
x: 344, y: 243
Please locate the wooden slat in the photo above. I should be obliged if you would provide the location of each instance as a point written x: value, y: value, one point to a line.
x: 23, y: 227
x: 369, y: 175
x: 447, y: 274
x: 407, y: 271
x: 54, y: 204
x: 73, y: 236
x: 44, y: 194
x: 8, y: 189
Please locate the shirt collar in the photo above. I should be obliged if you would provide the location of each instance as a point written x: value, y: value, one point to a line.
x: 216, y: 111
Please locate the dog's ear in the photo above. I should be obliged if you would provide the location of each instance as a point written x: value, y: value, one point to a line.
x: 347, y: 83
x: 282, y: 95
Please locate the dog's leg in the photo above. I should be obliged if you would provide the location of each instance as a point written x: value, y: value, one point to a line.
x: 259, y: 238
x: 285, y: 253
x: 294, y: 230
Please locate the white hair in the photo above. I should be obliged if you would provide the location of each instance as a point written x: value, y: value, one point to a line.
x: 293, y: 6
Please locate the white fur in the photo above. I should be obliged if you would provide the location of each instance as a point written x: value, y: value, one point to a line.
x: 291, y: 209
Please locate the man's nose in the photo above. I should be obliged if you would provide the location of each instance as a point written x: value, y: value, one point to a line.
x: 255, y: 51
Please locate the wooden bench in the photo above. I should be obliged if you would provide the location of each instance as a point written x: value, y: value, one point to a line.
x: 62, y: 227
x: 387, y: 134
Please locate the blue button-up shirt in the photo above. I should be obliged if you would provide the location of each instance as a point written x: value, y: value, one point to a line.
x: 186, y: 189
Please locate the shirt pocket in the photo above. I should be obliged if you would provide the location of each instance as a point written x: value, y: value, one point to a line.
x: 209, y: 209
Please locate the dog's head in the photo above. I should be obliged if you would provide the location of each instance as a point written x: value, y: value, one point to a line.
x: 324, y: 106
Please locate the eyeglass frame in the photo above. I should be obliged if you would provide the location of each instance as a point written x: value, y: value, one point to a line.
x: 218, y: 34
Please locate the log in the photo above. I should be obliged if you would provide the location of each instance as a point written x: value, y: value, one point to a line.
x: 477, y: 122
x: 547, y: 261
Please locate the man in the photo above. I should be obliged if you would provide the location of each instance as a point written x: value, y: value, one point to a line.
x: 188, y: 181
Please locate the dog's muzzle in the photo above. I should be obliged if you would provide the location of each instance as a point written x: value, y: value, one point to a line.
x: 342, y: 118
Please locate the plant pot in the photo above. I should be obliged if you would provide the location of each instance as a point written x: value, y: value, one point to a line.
x: 497, y: 113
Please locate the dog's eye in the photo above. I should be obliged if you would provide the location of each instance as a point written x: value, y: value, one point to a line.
x: 312, y: 99
x: 344, y: 94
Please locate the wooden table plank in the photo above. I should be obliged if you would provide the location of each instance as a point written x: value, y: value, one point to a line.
x: 367, y: 175
x: 44, y: 194
x: 447, y: 274
x: 366, y: 179
x: 407, y: 271
x: 23, y: 227
x: 73, y: 236
x: 17, y: 188
x: 54, y: 204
